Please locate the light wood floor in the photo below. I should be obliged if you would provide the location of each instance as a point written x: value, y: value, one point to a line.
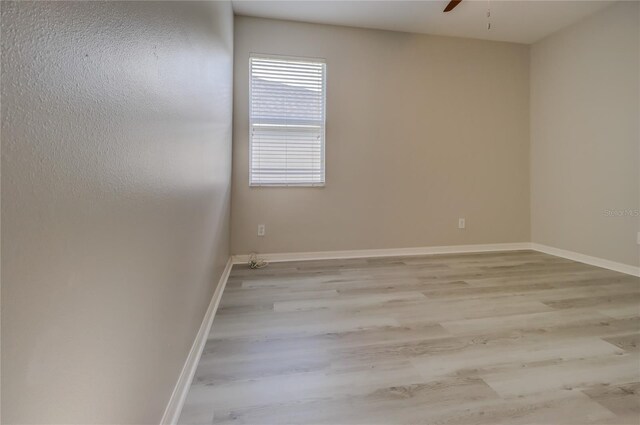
x: 491, y: 338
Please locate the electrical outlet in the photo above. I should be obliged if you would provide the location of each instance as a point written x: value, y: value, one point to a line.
x: 461, y: 223
x: 638, y: 238
x: 261, y: 229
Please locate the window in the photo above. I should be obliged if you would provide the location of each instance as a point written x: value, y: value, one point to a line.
x: 286, y: 119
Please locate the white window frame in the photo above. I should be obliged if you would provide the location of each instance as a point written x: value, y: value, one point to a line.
x: 324, y: 121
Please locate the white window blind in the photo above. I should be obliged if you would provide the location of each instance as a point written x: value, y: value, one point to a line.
x: 287, y: 120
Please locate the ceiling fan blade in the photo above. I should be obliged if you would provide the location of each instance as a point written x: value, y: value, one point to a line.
x: 451, y: 5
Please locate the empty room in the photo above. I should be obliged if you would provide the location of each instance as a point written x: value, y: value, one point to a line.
x: 320, y: 212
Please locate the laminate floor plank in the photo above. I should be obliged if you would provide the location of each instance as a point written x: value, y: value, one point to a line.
x: 623, y: 399
x: 515, y: 337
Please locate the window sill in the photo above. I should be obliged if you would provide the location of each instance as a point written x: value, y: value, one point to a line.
x: 301, y: 185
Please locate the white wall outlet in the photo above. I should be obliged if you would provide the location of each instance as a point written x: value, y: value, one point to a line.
x: 261, y: 229
x: 638, y: 238
x: 461, y: 223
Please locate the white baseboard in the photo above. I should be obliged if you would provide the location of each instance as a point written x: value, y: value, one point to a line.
x: 391, y: 252
x: 587, y: 259
x: 172, y: 412
x: 454, y: 249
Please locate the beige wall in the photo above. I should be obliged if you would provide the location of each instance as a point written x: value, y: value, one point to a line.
x: 584, y: 136
x: 116, y: 162
x: 421, y: 130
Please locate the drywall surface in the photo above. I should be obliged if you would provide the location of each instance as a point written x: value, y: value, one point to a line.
x: 585, y: 142
x: 116, y: 166
x: 421, y: 130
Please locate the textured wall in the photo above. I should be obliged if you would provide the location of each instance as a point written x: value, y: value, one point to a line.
x: 116, y: 162
x: 585, y: 139
x: 421, y: 130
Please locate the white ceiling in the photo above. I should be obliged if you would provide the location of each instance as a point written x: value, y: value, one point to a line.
x: 511, y: 20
